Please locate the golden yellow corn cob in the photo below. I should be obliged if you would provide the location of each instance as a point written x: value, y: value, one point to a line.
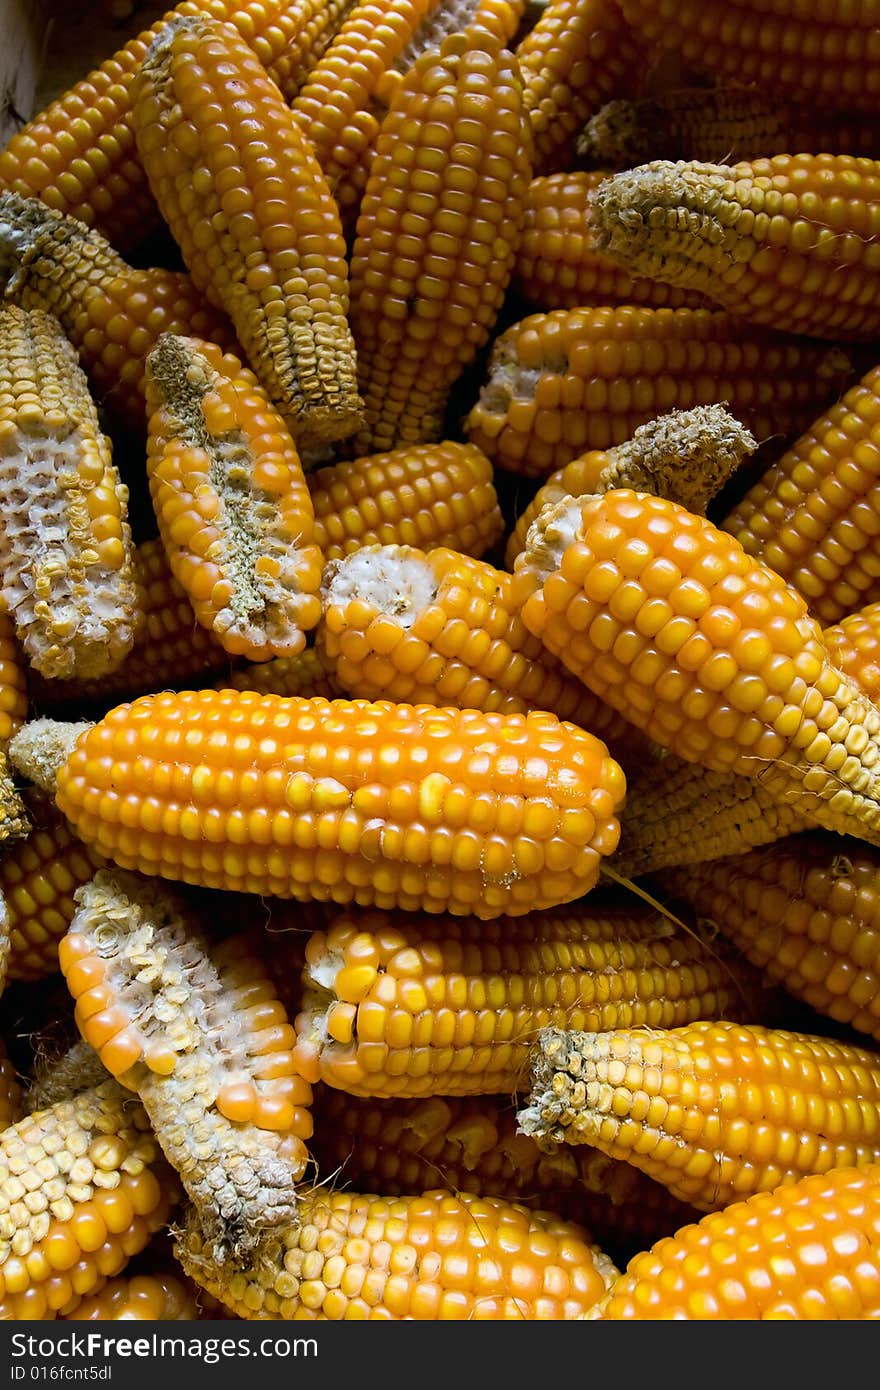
x: 814, y: 516
x: 806, y: 911
x: 341, y: 107
x: 558, y: 265
x: 432, y: 1257
x: 254, y: 219
x: 111, y: 313
x: 65, y: 556
x: 437, y: 233
x: 79, y: 157
x: 789, y: 242
x: 721, y: 125
x: 83, y: 1186
x: 715, y: 1110
x: 416, y: 1007
x: 854, y: 646
x: 705, y: 649
x: 439, y: 628
x: 396, y: 1147
x: 231, y: 501
x: 208, y: 1050
x: 155, y: 1297
x: 686, y: 455
x: 13, y: 681
x: 347, y: 801
x: 571, y: 380
x: 431, y: 494
x: 307, y: 674
x: 579, y: 54
x: 811, y: 50
x: 805, y: 1252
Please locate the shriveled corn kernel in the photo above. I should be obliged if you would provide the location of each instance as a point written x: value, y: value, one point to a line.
x: 231, y: 501
x: 714, y: 1110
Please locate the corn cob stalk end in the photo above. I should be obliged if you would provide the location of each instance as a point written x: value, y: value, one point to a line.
x: 41, y: 746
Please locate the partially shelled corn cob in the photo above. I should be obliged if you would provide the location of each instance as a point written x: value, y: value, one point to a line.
x: 345, y: 801
x: 112, y: 313
x: 196, y: 1029
x: 231, y: 501
x: 437, y: 234
x: 704, y: 648
x: 806, y: 911
x: 79, y: 156
x: 83, y: 1186
x: 686, y: 455
x: 567, y: 381
x: 254, y: 219
x: 805, y: 1252
x: 432, y: 1257
x: 396, y: 1147
x: 578, y: 55
x: 415, y: 1007
x: 853, y: 645
x: 814, y: 516
x: 714, y: 1111
x: 558, y: 265
x: 789, y: 242
x: 816, y: 51
x: 66, y: 573
x: 427, y: 495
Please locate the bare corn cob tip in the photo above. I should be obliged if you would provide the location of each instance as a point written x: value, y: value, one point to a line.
x: 196, y: 1028
x: 274, y: 259
x: 685, y: 455
x: 432, y: 1257
x: 705, y: 649
x: 231, y: 501
x: 387, y: 1005
x: 59, y: 1078
x: 437, y: 627
x: 806, y: 1252
x: 66, y: 551
x: 393, y: 805
x: 785, y: 241
x: 40, y: 747
x: 83, y: 1187
x: 714, y: 1110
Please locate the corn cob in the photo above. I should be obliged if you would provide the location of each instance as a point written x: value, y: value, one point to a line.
x: 471, y: 1145
x: 231, y: 500
x: 433, y: 1257
x: 437, y: 234
x: 439, y: 1007
x: 715, y: 1110
x: 558, y: 266
x: 439, y: 628
x: 341, y: 107
x: 789, y: 242
x: 65, y: 556
x: 159, y: 1296
x: 853, y: 645
x: 307, y: 674
x: 572, y: 380
x: 814, y: 516
x: 254, y: 219
x: 196, y: 1029
x: 811, y: 50
x: 40, y: 747
x: 111, y: 313
x: 578, y: 55
x: 719, y: 125
x: 805, y: 912
x: 431, y: 494
x: 703, y: 648
x: 11, y: 1096
x: 14, y: 819
x: 79, y: 156
x: 347, y: 801
x: 13, y: 682
x: 686, y: 456
x: 83, y: 1186
x: 807, y: 1251
x: 62, y: 1070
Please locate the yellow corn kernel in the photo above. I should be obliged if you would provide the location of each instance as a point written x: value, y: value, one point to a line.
x: 853, y: 645
x: 13, y: 682
x: 143, y: 1297
x: 306, y: 674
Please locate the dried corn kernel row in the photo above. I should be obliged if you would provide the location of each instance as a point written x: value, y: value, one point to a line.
x: 307, y: 674
x: 714, y: 1111
x: 231, y: 502
x: 13, y: 681
x: 853, y: 645
x: 154, y: 1297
